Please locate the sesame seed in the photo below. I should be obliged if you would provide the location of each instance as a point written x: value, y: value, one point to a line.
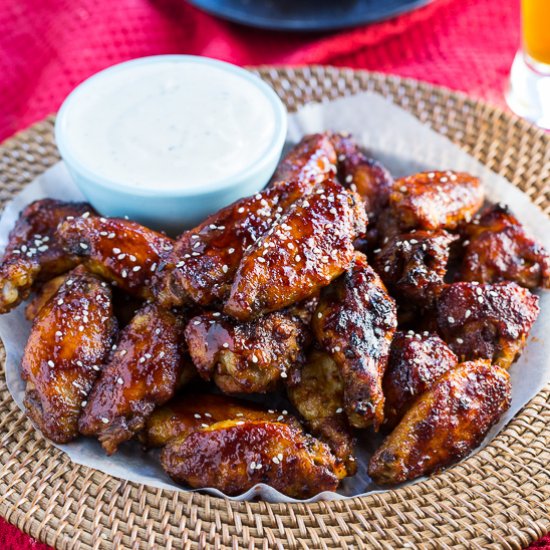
x: 162, y: 354
x: 339, y: 410
x: 387, y: 268
x: 197, y: 322
x: 240, y: 210
x: 197, y: 415
x: 111, y: 235
x: 284, y: 374
x: 116, y: 251
x: 95, y: 367
x: 84, y: 403
x: 225, y: 345
x: 59, y: 333
x: 225, y: 268
x: 261, y: 259
x: 297, y: 257
x: 51, y: 363
x: 403, y: 189
x: 459, y: 341
x: 252, y: 465
x: 84, y: 246
x: 124, y: 274
x: 467, y: 314
x: 204, y: 425
x: 275, y: 460
x: 319, y: 315
x: 142, y: 359
x: 231, y: 250
x: 281, y: 417
x: 280, y: 456
x: 254, y: 359
x: 136, y: 268
x: 121, y: 256
x: 105, y: 420
x: 120, y: 381
x: 86, y: 215
x: 480, y: 299
x: 336, y: 349
x: 81, y: 328
x: 180, y: 264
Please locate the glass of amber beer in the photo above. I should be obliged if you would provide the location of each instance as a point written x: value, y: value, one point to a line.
x: 528, y: 93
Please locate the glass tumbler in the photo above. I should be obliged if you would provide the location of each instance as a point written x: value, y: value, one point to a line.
x: 528, y: 92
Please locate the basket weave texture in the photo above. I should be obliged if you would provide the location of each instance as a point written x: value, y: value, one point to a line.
x: 499, y: 498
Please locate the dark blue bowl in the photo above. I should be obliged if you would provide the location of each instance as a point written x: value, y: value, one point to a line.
x: 306, y: 15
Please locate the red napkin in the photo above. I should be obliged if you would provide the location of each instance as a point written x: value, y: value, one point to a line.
x: 49, y: 46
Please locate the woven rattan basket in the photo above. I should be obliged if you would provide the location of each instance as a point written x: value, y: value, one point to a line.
x: 499, y: 498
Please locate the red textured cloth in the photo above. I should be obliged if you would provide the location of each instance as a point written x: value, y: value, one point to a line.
x: 49, y: 46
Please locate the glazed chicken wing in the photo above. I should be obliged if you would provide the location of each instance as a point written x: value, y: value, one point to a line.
x: 435, y: 200
x: 319, y: 398
x: 33, y: 252
x: 191, y: 411
x: 306, y: 249
x: 486, y: 321
x: 416, y: 362
x: 444, y: 424
x: 70, y: 338
x: 355, y: 322
x: 413, y: 265
x: 235, y: 455
x: 359, y: 173
x: 143, y: 371
x: 247, y: 357
x: 121, y: 251
x: 499, y: 249
x: 310, y: 161
x: 203, y: 263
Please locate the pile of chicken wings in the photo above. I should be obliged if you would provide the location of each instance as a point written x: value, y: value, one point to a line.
x: 371, y: 304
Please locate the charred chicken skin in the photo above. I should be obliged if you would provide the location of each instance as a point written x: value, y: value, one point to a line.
x: 319, y: 398
x: 367, y: 177
x: 70, y: 338
x: 190, y: 411
x: 121, y: 251
x: 204, y: 261
x: 413, y: 265
x: 310, y: 161
x: 444, y: 424
x: 416, y: 362
x: 143, y: 371
x: 33, y: 252
x: 234, y: 455
x: 304, y: 251
x: 486, y: 321
x: 435, y: 200
x: 355, y: 322
x: 247, y: 357
x: 499, y: 249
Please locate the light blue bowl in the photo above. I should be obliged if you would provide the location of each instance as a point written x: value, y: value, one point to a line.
x: 170, y: 209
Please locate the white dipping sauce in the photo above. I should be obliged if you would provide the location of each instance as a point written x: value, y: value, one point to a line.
x: 170, y: 125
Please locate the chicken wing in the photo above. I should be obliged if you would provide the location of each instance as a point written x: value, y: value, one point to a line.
x: 319, y: 398
x: 416, y: 362
x: 499, y: 249
x: 355, y: 322
x: 121, y: 251
x: 43, y: 295
x: 435, y: 200
x: 203, y: 263
x: 444, y: 424
x: 235, y: 455
x: 143, y: 371
x: 70, y: 338
x: 33, y: 252
x: 306, y: 249
x: 191, y: 411
x: 310, y: 161
x: 247, y: 357
x: 370, y: 179
x: 413, y: 265
x: 486, y: 321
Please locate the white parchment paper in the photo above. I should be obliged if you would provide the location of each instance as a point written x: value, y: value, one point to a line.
x: 405, y: 146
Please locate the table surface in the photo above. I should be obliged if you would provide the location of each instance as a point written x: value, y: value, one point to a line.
x: 49, y: 46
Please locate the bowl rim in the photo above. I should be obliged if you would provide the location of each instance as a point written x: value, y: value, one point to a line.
x: 92, y: 178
